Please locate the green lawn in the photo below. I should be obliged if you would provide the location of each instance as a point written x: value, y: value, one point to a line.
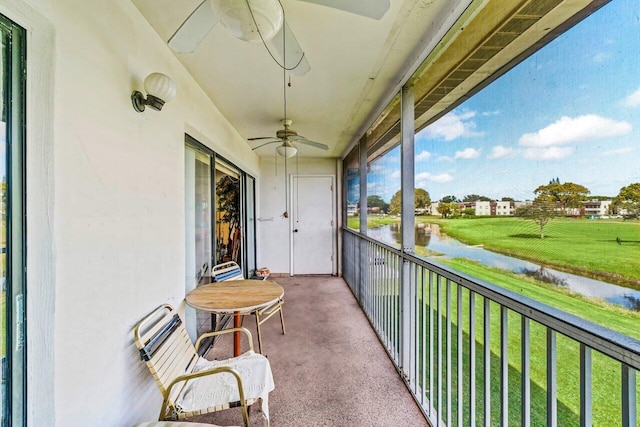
x: 353, y: 222
x: 606, y: 374
x: 585, y: 247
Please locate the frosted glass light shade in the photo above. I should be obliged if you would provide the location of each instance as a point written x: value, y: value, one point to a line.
x: 287, y: 151
x: 236, y: 16
x: 160, y: 86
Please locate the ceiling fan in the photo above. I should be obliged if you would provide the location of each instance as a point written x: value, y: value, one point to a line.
x: 261, y: 21
x: 289, y: 138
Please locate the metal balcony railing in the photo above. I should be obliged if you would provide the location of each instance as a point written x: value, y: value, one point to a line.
x: 449, y: 336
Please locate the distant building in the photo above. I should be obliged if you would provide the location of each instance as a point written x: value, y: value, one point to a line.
x: 505, y: 208
x: 352, y: 208
x: 596, y: 207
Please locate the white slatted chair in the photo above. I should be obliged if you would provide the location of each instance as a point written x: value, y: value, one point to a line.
x: 231, y: 271
x: 191, y: 385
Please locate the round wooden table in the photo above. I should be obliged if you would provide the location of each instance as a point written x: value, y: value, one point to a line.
x: 237, y: 297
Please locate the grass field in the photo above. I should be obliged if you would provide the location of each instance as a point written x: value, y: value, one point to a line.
x: 353, y: 222
x: 585, y: 247
x: 606, y: 374
x: 606, y: 389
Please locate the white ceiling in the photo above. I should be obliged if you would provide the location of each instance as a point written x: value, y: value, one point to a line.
x: 356, y: 65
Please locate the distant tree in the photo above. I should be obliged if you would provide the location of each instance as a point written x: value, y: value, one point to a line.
x: 540, y: 212
x: 567, y: 195
x: 421, y: 200
x: 469, y: 212
x: 448, y: 210
x: 629, y: 199
x: 395, y: 205
x: 449, y: 199
x: 377, y: 202
x: 508, y: 199
x: 476, y: 198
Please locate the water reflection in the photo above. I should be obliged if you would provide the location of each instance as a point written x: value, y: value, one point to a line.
x: 430, y: 237
x: 544, y: 275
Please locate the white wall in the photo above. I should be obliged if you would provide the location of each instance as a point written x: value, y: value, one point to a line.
x: 105, y: 204
x: 274, y: 231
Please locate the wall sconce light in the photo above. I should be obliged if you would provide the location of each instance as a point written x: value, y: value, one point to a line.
x: 287, y: 149
x: 159, y: 88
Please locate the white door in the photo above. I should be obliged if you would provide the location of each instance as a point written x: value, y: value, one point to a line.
x: 313, y: 224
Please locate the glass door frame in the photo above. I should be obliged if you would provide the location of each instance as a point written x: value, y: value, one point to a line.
x: 13, y: 368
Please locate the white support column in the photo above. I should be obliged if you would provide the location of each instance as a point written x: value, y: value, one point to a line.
x: 408, y: 221
x: 362, y: 162
x: 362, y: 249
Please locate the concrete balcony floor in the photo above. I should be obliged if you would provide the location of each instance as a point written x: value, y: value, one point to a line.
x: 329, y: 368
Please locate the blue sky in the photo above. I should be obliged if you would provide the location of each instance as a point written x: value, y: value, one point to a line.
x: 571, y: 111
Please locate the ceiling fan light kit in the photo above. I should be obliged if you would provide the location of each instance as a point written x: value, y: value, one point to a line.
x: 286, y: 150
x: 238, y: 17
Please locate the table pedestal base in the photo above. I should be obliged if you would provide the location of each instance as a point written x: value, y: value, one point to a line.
x: 237, y: 323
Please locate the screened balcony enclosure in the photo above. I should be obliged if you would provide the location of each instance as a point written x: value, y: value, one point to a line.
x: 448, y: 192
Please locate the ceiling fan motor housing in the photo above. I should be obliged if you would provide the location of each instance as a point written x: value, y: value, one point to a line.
x: 286, y: 133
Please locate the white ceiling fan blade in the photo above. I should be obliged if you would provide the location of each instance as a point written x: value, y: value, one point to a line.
x: 374, y: 9
x: 312, y: 144
x: 194, y: 29
x: 266, y: 143
x: 295, y: 55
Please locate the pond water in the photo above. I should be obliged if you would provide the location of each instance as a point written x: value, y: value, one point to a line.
x: 430, y: 237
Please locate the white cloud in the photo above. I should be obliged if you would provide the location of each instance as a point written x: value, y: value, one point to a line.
x: 376, y: 168
x: 548, y: 153
x: 569, y: 130
x: 444, y: 159
x: 624, y: 150
x: 394, y: 174
x: 633, y: 100
x: 467, y: 153
x: 424, y: 155
x: 500, y: 151
x: 601, y: 56
x: 423, y: 178
x: 491, y: 113
x: 452, y: 126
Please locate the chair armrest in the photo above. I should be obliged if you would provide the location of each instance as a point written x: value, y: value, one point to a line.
x: 222, y: 332
x: 206, y: 372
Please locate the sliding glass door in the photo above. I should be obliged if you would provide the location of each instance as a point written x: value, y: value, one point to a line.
x: 220, y: 214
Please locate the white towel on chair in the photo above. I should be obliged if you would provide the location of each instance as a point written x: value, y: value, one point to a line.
x: 214, y: 390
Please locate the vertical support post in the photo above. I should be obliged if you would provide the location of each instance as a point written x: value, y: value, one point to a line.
x: 460, y: 307
x: 432, y: 393
x: 449, y: 348
x: 504, y: 365
x: 629, y: 410
x: 487, y: 361
x: 525, y: 366
x: 552, y: 382
x: 362, y: 279
x: 407, y: 119
x: 472, y: 358
x: 585, y: 386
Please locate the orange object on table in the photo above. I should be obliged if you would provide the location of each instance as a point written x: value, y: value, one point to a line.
x: 235, y: 296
